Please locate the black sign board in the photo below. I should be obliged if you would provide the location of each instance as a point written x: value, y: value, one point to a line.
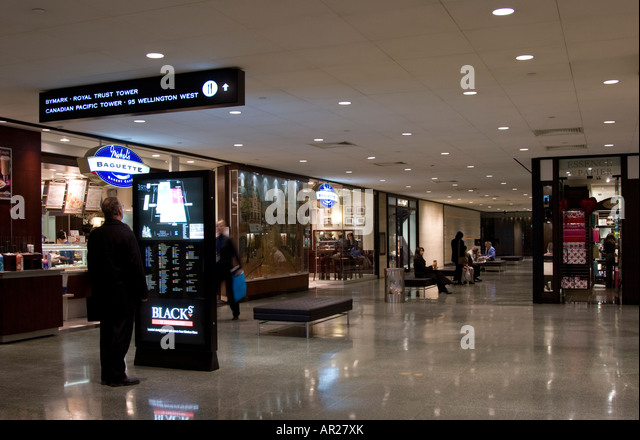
x: 186, y: 91
x: 173, y: 221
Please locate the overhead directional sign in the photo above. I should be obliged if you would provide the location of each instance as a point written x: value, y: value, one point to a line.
x: 186, y: 91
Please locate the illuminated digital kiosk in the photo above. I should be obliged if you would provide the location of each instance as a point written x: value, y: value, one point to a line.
x: 173, y: 221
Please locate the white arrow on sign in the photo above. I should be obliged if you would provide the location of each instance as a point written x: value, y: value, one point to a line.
x: 225, y: 87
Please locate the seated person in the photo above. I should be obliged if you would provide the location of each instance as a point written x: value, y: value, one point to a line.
x: 356, y: 254
x: 491, y: 252
x: 475, y: 269
x: 421, y: 270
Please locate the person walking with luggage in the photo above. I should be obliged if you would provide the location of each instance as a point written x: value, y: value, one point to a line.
x: 225, y: 268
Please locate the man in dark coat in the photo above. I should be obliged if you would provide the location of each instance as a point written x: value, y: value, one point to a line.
x: 458, y: 249
x: 225, y: 265
x: 118, y: 286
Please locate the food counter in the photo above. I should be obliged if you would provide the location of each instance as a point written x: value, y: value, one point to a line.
x: 30, y: 304
x: 72, y: 260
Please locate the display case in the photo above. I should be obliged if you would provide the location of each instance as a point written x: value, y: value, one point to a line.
x: 603, y: 224
x: 576, y: 255
x: 66, y: 256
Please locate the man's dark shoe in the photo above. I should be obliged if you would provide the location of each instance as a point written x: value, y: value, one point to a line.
x: 127, y: 381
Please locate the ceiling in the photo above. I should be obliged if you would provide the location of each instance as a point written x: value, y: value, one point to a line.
x: 400, y: 63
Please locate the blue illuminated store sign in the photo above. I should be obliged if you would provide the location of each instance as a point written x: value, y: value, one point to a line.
x: 326, y: 195
x: 113, y: 164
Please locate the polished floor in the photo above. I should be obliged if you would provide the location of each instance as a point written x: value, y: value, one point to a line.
x: 483, y: 352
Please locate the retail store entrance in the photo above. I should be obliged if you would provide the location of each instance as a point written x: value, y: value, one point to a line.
x: 579, y: 230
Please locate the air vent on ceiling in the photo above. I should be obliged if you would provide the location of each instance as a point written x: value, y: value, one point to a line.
x: 389, y: 164
x: 557, y: 131
x: 328, y: 145
x: 565, y: 147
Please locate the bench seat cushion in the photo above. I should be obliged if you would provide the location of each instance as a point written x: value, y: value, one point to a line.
x: 412, y: 281
x: 302, y: 309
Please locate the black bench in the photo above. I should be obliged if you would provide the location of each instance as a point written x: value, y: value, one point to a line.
x: 510, y: 258
x: 307, y: 310
x: 410, y: 280
x: 494, y: 263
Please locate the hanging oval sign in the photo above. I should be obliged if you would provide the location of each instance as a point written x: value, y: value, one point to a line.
x: 116, y: 165
x: 326, y: 195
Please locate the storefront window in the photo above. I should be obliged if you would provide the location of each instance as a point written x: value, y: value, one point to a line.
x: 591, y: 232
x: 343, y: 235
x: 402, y: 231
x: 271, y: 240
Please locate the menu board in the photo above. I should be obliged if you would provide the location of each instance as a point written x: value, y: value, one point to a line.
x: 94, y: 198
x: 55, y: 195
x: 75, y: 196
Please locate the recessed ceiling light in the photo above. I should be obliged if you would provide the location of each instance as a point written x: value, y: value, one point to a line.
x: 408, y: 186
x: 344, y: 103
x: 609, y: 122
x: 471, y: 166
x: 191, y: 161
x: 489, y: 175
x: 455, y: 184
x: 155, y: 55
x: 503, y: 183
x: 434, y: 178
x: 503, y: 128
x: 406, y: 134
x: 524, y: 149
x: 235, y: 112
x: 155, y: 155
x: 371, y: 157
x: 503, y: 11
x: 349, y: 172
x: 382, y: 180
x: 470, y: 92
x: 303, y: 160
x: 238, y: 145
x: 524, y: 57
x: 139, y: 121
x: 44, y: 129
x: 444, y: 153
x: 318, y: 140
x: 407, y: 169
x: 608, y: 145
x: 611, y: 81
x: 64, y: 139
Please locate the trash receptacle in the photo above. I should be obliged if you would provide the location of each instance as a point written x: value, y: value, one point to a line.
x: 394, y: 285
